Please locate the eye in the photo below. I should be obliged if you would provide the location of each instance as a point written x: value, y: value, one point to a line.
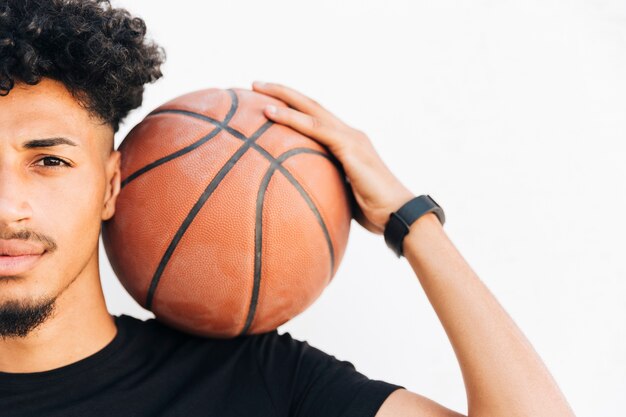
x: 55, y: 162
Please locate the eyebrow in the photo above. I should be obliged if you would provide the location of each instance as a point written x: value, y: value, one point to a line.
x: 47, y: 143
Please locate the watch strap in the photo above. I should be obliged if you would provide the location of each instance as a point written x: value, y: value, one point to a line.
x: 399, y: 221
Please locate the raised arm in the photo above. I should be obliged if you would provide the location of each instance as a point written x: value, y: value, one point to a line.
x: 503, y: 374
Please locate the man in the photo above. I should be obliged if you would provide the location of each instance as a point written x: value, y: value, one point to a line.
x: 69, y: 72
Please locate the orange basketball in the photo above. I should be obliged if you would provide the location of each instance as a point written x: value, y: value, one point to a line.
x: 226, y: 223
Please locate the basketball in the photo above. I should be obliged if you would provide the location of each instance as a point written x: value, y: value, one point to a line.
x: 226, y: 223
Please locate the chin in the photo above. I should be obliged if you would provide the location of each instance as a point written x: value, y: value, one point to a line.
x: 18, y: 318
x: 23, y: 290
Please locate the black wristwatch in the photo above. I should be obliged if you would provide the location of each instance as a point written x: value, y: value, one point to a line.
x: 399, y: 221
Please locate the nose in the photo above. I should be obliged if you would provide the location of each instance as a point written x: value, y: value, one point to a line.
x: 14, y: 206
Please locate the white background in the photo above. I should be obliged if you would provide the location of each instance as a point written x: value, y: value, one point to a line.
x: 512, y: 115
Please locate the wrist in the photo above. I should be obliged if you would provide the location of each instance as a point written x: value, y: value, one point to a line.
x: 400, y: 221
x: 421, y: 233
x: 427, y: 221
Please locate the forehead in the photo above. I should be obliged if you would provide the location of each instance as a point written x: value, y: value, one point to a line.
x: 46, y: 109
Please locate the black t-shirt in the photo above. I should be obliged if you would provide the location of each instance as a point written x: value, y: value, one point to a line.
x: 150, y: 369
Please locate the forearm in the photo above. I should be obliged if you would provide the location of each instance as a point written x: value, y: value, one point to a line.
x: 503, y: 374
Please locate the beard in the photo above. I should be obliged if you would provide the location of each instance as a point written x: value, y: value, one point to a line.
x: 18, y: 319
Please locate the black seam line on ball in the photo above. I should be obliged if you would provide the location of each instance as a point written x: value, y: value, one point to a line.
x: 291, y: 179
x: 196, y: 208
x: 219, y: 126
x: 271, y: 158
x: 258, y: 229
x: 243, y: 137
x: 300, y: 189
x: 169, y: 157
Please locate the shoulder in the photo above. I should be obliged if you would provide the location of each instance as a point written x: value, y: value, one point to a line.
x: 153, y: 334
x: 145, y: 327
x: 275, y: 350
x: 316, y: 383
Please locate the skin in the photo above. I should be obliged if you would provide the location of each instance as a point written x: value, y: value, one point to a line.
x: 503, y: 374
x: 63, y: 205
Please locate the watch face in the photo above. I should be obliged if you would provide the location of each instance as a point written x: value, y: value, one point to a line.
x: 399, y: 221
x: 419, y: 206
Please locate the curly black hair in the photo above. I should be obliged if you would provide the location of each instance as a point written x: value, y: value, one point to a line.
x: 98, y: 52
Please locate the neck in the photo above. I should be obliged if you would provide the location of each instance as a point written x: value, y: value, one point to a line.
x: 79, y: 327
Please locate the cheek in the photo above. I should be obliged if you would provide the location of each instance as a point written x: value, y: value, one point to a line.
x: 70, y: 207
x: 67, y: 210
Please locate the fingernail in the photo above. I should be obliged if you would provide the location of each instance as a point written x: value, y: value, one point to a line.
x: 271, y: 109
x: 259, y: 84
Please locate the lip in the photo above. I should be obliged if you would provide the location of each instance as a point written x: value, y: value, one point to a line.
x: 17, y: 248
x: 15, y: 265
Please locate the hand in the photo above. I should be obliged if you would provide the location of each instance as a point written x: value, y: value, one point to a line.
x: 376, y: 191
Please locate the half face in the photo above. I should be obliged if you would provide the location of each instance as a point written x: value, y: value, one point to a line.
x: 59, y: 178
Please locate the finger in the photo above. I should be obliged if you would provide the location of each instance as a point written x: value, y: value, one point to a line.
x: 306, y: 124
x: 296, y: 100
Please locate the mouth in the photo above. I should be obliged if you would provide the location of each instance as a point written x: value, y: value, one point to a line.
x: 11, y: 265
